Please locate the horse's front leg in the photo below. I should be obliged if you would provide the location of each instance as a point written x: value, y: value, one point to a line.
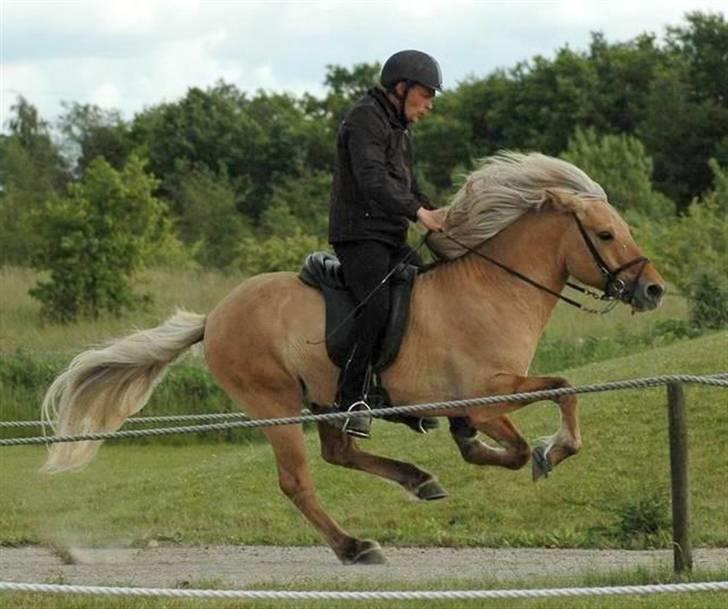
x: 339, y: 448
x: 512, y: 451
x: 551, y: 450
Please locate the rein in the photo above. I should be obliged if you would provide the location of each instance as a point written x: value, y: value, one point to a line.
x: 614, y: 289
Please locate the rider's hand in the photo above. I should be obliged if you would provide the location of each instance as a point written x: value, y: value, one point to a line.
x: 431, y: 220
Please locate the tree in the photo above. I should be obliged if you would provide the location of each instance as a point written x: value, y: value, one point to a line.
x: 345, y: 86
x: 255, y: 142
x: 623, y: 168
x: 31, y: 172
x: 441, y: 147
x: 686, y: 121
x: 207, y: 220
x: 702, y: 45
x: 95, y: 240
x: 624, y: 71
x: 299, y: 203
x: 696, y: 243
x: 681, y: 134
x: 94, y: 132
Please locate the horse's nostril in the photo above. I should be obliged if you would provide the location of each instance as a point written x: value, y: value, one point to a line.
x: 655, y: 291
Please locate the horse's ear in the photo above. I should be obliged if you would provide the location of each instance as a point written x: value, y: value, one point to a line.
x: 563, y: 200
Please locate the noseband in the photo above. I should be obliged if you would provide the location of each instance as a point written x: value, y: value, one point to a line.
x: 614, y: 287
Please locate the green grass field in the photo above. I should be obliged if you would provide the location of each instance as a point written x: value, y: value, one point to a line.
x: 613, y: 494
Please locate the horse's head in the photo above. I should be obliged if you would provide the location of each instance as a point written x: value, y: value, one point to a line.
x: 599, y: 251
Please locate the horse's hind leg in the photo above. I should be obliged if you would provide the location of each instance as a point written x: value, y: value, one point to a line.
x: 340, y: 449
x: 294, y: 475
x: 296, y: 483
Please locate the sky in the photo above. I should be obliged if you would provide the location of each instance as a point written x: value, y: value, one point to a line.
x: 131, y: 54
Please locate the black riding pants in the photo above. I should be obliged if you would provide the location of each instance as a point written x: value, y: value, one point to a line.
x: 365, y: 264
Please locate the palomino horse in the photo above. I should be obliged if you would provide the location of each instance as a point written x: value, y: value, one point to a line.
x: 473, y: 330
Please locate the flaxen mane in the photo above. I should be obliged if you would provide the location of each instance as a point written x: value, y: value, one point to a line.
x: 505, y: 187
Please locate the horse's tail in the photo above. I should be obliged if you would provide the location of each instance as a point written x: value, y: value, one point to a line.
x: 102, y: 387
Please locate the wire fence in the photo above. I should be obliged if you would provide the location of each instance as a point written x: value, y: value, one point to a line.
x: 719, y: 379
x: 364, y: 595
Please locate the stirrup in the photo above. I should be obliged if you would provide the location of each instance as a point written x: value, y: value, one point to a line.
x: 358, y: 426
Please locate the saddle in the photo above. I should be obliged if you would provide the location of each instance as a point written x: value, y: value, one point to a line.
x: 322, y: 271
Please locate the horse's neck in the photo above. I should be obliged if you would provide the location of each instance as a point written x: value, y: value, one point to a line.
x: 473, y: 284
x: 531, y: 246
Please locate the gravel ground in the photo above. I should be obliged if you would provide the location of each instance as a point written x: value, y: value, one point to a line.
x: 237, y: 566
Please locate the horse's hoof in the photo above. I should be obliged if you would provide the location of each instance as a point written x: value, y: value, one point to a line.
x: 430, y: 490
x: 540, y: 466
x: 368, y: 553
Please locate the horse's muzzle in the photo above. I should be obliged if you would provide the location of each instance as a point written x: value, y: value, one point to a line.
x: 647, y: 295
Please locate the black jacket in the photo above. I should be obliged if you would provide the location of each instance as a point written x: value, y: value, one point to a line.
x: 374, y: 192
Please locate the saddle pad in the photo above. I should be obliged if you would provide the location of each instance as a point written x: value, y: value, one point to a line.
x: 322, y: 271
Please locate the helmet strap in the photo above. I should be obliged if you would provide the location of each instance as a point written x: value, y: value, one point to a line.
x: 402, y: 99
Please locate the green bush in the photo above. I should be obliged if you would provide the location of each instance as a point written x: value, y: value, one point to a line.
x: 277, y: 253
x: 21, y: 371
x: 709, y: 300
x: 692, y: 252
x: 294, y: 224
x: 643, y: 521
x: 94, y: 240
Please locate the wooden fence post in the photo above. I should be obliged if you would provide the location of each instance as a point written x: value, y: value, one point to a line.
x: 683, y: 552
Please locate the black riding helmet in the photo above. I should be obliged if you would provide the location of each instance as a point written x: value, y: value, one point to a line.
x: 411, y: 66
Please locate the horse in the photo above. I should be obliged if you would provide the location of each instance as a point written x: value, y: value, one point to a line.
x: 516, y: 231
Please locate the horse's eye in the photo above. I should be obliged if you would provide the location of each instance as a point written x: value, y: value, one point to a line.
x: 605, y: 235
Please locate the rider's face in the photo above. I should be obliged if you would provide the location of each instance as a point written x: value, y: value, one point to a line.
x: 418, y: 103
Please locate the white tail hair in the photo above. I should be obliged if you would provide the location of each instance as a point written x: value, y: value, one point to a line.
x: 102, y: 387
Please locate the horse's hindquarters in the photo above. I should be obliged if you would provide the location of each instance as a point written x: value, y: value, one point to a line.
x: 267, y: 336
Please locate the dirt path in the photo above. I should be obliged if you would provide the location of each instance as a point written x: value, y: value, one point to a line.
x: 237, y: 566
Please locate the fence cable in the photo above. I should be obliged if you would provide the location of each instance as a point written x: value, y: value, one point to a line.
x: 718, y: 379
x: 718, y: 586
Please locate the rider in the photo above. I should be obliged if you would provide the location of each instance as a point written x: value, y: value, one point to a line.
x: 374, y: 195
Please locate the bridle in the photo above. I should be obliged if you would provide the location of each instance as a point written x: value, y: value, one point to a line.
x: 614, y: 287
x: 614, y: 290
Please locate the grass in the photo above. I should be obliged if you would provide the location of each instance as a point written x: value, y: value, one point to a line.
x: 21, y: 326
x: 614, y: 494
x: 226, y: 493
